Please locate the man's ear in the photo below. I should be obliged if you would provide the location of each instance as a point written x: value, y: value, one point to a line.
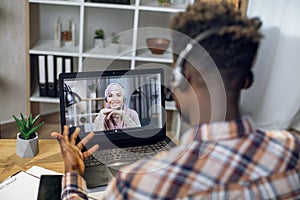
x: 187, y: 75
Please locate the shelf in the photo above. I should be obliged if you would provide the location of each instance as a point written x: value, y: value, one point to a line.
x: 36, y: 98
x: 58, y: 2
x: 117, y: 18
x: 154, y: 6
x: 146, y: 55
x: 107, y: 53
x: 48, y: 47
x: 110, y: 5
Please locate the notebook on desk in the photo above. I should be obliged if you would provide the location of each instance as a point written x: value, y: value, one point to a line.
x: 86, y: 94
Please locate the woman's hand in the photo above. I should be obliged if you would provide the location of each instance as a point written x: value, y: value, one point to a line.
x: 72, y: 155
x: 108, y: 112
x: 115, y: 113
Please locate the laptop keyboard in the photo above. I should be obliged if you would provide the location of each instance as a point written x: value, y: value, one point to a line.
x: 121, y: 156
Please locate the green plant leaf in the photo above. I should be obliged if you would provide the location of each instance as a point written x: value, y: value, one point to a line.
x: 25, y: 126
x: 99, y: 33
x: 30, y: 119
x: 115, y: 38
x: 17, y: 120
x: 22, y: 117
x: 19, y: 123
x: 35, y: 119
x: 33, y: 130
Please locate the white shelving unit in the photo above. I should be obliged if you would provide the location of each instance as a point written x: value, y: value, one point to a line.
x: 131, y: 21
x: 136, y: 22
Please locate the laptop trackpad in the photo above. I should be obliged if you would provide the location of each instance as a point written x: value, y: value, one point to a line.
x: 98, y: 175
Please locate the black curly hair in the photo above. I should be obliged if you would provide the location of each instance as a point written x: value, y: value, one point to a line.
x: 234, y: 46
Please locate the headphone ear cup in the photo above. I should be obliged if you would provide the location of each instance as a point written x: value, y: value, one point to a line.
x: 178, y: 77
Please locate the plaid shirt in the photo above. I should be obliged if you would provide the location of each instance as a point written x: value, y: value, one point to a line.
x: 217, y: 161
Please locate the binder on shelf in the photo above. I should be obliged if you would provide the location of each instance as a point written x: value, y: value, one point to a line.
x: 68, y: 65
x: 51, y: 75
x: 42, y: 75
x: 59, y: 69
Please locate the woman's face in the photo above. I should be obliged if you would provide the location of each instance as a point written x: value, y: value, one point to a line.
x: 115, y: 97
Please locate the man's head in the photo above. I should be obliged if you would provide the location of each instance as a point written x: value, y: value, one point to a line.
x: 226, y: 38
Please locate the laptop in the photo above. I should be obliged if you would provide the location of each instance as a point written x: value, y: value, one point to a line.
x: 83, y: 97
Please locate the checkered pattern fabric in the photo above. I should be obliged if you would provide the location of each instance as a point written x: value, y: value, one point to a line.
x: 217, y: 161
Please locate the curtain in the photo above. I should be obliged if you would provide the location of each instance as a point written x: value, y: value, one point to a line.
x: 273, y: 101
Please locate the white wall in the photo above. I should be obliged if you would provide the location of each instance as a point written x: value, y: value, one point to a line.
x: 274, y: 99
x: 12, y: 59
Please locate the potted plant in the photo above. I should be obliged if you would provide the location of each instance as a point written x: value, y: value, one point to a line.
x: 114, y: 43
x: 92, y: 87
x: 164, y: 2
x: 99, y: 38
x: 27, y: 139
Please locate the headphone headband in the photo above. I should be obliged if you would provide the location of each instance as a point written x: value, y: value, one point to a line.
x: 177, y: 74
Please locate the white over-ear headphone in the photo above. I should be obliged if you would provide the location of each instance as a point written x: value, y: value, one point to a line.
x: 178, y: 76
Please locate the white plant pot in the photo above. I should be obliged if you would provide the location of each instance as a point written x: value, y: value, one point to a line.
x: 114, y: 48
x: 27, y: 148
x: 93, y: 95
x: 98, y: 43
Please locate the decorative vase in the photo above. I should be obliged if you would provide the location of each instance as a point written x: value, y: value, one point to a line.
x: 27, y: 148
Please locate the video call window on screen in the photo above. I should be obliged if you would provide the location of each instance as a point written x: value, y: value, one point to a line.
x: 141, y: 99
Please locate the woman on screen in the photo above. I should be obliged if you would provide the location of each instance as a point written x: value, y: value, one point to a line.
x: 115, y: 116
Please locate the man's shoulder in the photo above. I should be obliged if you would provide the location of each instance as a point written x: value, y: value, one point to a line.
x: 287, y: 140
x: 280, y: 135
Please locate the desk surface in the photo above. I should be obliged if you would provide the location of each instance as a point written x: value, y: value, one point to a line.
x: 49, y: 157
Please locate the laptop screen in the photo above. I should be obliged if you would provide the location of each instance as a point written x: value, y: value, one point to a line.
x: 124, y: 105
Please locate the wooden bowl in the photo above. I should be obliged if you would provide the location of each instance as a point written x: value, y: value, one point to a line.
x: 158, y: 45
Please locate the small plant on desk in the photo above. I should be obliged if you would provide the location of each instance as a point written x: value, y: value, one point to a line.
x: 26, y: 126
x: 27, y: 138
